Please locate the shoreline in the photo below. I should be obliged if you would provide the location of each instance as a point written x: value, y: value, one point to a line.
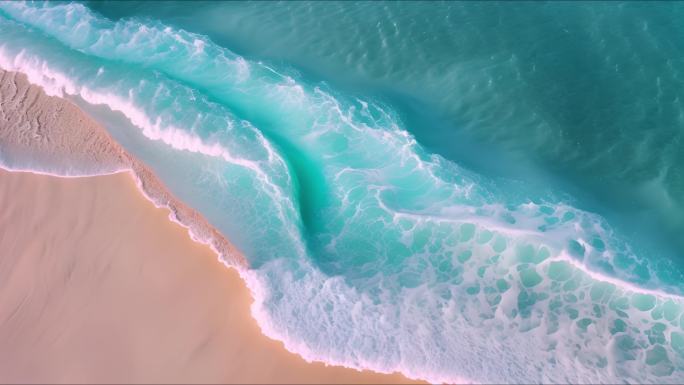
x: 66, y: 136
x: 99, y: 286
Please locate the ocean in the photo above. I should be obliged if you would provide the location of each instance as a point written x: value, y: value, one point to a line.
x: 462, y: 192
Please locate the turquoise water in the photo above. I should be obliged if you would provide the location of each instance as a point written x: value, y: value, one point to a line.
x: 583, y: 92
x: 458, y: 191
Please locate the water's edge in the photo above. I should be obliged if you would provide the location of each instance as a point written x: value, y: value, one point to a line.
x: 89, y: 142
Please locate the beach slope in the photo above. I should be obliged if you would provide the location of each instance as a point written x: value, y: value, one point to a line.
x: 98, y: 286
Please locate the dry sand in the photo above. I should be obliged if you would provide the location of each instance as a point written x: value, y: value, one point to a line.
x: 97, y: 285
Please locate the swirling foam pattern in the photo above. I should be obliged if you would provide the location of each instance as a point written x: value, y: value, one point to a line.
x: 365, y: 249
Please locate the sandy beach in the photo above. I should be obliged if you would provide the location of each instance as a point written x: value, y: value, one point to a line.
x: 97, y: 285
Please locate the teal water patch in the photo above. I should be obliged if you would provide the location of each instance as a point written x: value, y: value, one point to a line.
x: 365, y: 248
x: 534, y: 91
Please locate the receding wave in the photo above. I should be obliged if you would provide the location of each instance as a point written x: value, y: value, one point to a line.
x: 364, y: 250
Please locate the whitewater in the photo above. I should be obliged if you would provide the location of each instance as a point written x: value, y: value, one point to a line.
x: 364, y: 249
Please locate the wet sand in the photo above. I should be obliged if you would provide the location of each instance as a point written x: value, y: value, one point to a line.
x: 51, y: 134
x: 97, y: 285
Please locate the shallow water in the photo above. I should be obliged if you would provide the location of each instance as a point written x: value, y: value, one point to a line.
x: 460, y: 191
